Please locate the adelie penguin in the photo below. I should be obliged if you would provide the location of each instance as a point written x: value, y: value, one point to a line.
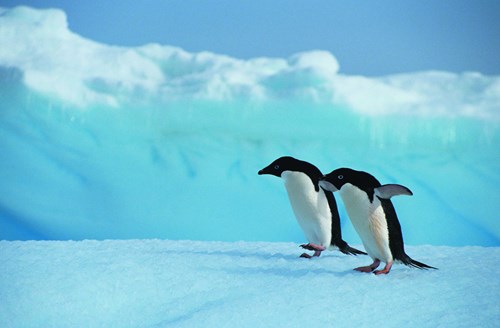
x: 372, y: 214
x: 315, y: 208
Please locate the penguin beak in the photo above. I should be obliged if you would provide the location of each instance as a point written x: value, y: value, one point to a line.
x: 267, y: 170
x: 264, y: 171
x: 327, y: 185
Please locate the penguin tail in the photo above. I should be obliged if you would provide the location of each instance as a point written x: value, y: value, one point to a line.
x: 416, y: 264
x: 352, y: 251
x: 346, y: 249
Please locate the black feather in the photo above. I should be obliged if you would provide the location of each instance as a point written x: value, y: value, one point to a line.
x: 350, y: 250
x: 416, y: 264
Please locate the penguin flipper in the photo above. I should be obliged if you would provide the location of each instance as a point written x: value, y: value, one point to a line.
x: 388, y: 190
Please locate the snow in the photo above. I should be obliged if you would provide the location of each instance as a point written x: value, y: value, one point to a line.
x: 160, y: 283
x: 59, y: 63
x: 106, y: 142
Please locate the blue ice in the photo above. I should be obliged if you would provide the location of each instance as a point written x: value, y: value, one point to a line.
x: 106, y: 142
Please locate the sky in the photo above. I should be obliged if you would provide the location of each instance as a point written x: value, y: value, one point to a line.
x: 367, y: 37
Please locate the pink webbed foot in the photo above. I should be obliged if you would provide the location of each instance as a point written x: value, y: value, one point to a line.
x: 385, y: 270
x: 312, y: 247
x: 369, y: 268
x: 366, y: 269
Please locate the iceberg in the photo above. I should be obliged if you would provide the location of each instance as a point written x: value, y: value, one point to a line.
x: 109, y: 142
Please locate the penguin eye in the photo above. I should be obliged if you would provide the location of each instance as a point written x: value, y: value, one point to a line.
x: 276, y: 167
x: 340, y: 177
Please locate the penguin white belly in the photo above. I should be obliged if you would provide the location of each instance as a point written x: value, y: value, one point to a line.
x: 369, y: 221
x: 310, y: 207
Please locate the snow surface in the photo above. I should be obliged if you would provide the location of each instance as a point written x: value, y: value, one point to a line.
x: 106, y: 142
x: 155, y: 283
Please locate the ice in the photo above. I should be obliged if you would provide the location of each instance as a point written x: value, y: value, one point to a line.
x: 154, y: 283
x: 107, y: 142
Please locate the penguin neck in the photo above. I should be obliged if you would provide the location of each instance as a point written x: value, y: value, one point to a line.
x: 301, y: 193
x: 352, y: 193
x: 355, y: 198
x: 297, y: 181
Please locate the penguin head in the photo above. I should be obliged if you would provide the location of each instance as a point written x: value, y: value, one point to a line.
x: 287, y: 163
x: 335, y: 180
x: 282, y: 164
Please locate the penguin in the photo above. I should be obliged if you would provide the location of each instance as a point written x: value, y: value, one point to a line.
x: 372, y: 214
x: 315, y: 208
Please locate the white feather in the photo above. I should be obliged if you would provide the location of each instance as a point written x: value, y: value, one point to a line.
x: 310, y: 207
x: 369, y: 221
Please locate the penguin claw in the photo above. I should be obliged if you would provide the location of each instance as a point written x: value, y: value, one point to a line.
x: 366, y: 269
x: 313, y: 247
x: 317, y: 253
x: 385, y: 270
x: 307, y: 246
x: 371, y: 267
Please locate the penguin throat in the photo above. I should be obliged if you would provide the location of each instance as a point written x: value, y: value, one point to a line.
x: 293, y: 178
x: 354, y: 195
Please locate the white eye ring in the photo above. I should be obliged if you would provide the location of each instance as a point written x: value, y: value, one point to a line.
x: 340, y: 177
x: 276, y: 167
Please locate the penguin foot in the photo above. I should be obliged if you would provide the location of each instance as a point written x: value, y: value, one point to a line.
x: 385, y: 270
x: 313, y: 247
x: 366, y: 269
x: 307, y: 256
x: 369, y: 268
x: 307, y: 246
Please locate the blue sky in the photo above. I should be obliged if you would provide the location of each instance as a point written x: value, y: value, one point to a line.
x: 367, y: 37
